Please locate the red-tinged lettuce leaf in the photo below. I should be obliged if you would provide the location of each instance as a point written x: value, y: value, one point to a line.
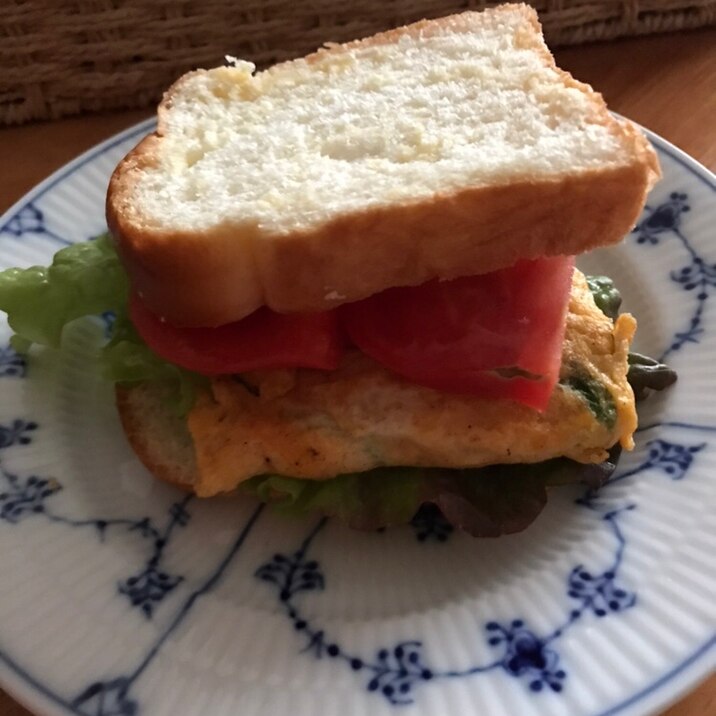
x: 488, y: 505
x: 484, y: 502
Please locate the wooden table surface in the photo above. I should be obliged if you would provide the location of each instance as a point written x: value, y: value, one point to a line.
x: 666, y: 83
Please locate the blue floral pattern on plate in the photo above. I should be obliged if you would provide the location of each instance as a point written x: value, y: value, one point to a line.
x: 699, y: 275
x: 31, y: 220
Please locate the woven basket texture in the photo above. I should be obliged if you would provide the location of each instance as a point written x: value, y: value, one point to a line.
x: 59, y: 58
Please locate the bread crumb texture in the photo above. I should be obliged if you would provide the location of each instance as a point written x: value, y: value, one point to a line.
x: 472, y: 100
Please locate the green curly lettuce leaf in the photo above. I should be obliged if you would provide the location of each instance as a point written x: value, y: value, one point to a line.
x: 83, y: 279
x: 484, y: 502
x: 87, y: 279
x: 128, y: 359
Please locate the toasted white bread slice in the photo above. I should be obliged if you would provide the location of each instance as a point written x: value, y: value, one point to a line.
x: 318, y: 424
x: 160, y: 438
x: 448, y: 147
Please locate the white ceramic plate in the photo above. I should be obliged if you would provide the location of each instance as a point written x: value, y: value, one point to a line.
x: 120, y: 596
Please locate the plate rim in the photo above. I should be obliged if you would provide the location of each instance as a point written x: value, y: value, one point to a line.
x: 658, y: 695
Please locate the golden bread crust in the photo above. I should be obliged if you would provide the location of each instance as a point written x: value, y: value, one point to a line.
x: 148, y: 441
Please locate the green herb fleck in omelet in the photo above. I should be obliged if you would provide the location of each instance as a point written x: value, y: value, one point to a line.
x: 596, y: 396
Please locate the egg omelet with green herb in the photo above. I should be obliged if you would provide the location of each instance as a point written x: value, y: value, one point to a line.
x: 314, y: 425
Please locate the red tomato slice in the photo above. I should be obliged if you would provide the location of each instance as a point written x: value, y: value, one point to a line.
x: 262, y: 340
x: 454, y: 335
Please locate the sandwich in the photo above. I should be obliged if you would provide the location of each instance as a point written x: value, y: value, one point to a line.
x: 347, y: 284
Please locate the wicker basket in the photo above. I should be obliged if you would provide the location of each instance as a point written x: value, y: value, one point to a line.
x: 59, y: 57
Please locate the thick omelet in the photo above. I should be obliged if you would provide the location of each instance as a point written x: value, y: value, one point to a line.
x: 315, y: 425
